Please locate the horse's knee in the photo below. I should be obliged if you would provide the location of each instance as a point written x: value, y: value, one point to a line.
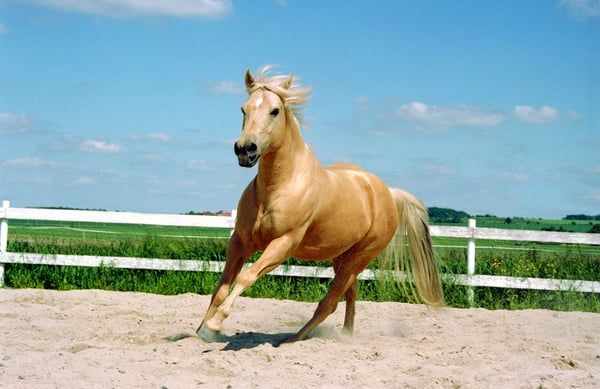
x: 334, y: 307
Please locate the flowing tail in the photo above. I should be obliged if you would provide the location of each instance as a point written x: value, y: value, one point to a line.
x: 413, y: 226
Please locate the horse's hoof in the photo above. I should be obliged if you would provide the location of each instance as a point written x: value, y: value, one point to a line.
x: 207, y: 335
x: 288, y: 340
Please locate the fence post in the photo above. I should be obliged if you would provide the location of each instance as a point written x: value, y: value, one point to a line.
x: 234, y: 216
x: 3, y: 239
x: 471, y: 259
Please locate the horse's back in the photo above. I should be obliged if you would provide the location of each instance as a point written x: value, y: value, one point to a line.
x: 364, y: 188
x: 359, y: 182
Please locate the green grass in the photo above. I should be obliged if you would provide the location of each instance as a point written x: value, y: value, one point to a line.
x: 497, y: 258
x: 106, y: 231
x: 520, y: 223
x: 76, y: 277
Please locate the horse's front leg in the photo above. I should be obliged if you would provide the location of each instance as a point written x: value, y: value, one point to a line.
x: 236, y: 257
x: 274, y: 255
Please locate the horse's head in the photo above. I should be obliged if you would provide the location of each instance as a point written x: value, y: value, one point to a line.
x: 264, y: 116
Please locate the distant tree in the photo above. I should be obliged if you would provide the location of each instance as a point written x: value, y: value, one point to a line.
x: 553, y: 229
x: 578, y: 217
x: 595, y: 229
x: 447, y: 215
x: 508, y: 220
x: 70, y: 208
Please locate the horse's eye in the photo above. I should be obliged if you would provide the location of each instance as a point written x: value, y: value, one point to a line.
x: 275, y: 112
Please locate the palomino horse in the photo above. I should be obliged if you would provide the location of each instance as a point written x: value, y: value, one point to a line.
x: 295, y: 207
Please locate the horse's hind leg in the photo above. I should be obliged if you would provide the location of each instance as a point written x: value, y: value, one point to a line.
x: 347, y: 267
x: 350, y: 307
x: 350, y: 295
x: 340, y: 284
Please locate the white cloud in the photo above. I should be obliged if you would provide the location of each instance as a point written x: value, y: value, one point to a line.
x: 441, y: 118
x: 582, y: 8
x: 530, y: 114
x: 592, y: 196
x: 133, y: 137
x: 150, y: 157
x: 64, y: 143
x: 198, y: 165
x: 227, y: 88
x: 31, y: 162
x: 99, y: 146
x: 367, y: 154
x: 159, y: 137
x: 84, y: 181
x: 593, y: 169
x: 439, y: 170
x: 363, y: 100
x: 513, y: 176
x: 153, y: 136
x: 14, y: 124
x: 30, y: 180
x: 574, y: 115
x: 3, y: 29
x: 210, y: 9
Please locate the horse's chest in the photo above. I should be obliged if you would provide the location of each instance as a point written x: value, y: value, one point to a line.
x: 267, y: 227
x: 271, y: 224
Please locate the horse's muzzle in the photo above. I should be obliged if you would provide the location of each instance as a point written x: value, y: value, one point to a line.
x: 247, y: 153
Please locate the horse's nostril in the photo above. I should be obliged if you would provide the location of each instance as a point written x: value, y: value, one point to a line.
x: 245, y: 149
x: 237, y: 149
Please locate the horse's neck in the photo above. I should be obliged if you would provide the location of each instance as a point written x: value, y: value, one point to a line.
x: 279, y: 168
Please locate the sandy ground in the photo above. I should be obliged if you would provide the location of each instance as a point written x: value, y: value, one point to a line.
x: 92, y: 338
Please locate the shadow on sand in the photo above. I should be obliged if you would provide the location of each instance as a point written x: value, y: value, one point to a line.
x: 239, y: 341
x: 248, y: 340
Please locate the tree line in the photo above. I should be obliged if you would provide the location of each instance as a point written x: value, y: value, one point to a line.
x: 581, y: 217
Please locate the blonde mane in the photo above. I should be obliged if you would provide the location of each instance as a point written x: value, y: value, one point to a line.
x: 296, y: 95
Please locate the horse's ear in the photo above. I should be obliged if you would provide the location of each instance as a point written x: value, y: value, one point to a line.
x: 288, y: 82
x: 249, y: 80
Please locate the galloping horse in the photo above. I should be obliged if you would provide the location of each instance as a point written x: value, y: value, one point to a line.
x: 295, y: 207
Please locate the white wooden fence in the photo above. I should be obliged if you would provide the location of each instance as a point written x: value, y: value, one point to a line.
x: 471, y: 232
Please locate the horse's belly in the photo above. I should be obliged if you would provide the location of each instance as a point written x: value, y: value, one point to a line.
x: 330, y: 239
x: 319, y: 253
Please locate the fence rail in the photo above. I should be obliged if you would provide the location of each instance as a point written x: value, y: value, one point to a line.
x: 515, y: 235
x: 471, y: 233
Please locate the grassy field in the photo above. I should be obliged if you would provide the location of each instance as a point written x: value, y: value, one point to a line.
x: 107, y: 231
x: 493, y: 257
x: 518, y: 223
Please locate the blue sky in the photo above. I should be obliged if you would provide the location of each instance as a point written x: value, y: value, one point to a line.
x: 484, y: 106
